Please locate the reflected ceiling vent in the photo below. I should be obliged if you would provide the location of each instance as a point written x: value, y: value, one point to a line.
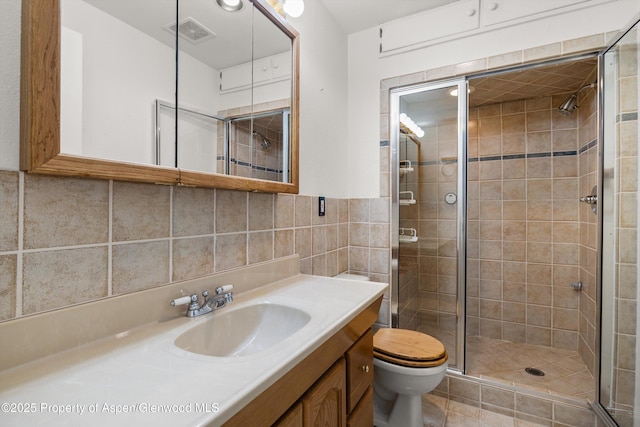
x: 191, y: 30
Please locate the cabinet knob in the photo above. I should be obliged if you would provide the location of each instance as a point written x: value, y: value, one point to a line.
x: 471, y: 12
x: 365, y: 368
x: 493, y: 6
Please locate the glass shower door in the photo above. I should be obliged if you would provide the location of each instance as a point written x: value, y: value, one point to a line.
x: 428, y: 140
x: 618, y: 391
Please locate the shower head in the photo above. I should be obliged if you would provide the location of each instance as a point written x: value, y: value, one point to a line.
x: 265, y: 142
x: 571, y: 103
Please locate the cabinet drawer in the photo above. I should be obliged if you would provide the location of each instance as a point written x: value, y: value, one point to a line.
x: 362, y: 416
x: 359, y: 369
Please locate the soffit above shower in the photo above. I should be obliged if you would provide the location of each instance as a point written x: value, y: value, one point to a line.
x: 556, y: 79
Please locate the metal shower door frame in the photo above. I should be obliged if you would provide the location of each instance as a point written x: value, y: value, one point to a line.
x: 461, y: 223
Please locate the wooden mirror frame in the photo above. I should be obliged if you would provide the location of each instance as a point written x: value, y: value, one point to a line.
x: 40, y: 114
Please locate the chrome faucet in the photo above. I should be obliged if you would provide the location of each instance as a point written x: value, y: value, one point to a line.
x: 220, y: 299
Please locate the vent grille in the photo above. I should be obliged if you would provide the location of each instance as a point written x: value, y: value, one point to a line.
x: 191, y: 30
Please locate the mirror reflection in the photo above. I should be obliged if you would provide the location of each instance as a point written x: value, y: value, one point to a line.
x: 120, y: 84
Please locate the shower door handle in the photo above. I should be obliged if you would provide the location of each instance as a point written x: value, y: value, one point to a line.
x: 592, y: 199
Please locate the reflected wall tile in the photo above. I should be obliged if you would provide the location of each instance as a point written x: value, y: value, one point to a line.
x: 8, y: 211
x: 65, y: 211
x: 44, y: 272
x: 139, y: 266
x: 193, y: 211
x: 8, y: 271
x: 192, y: 257
x: 231, y: 211
x: 231, y: 251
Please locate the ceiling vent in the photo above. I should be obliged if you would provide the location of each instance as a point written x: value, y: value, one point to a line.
x: 191, y: 30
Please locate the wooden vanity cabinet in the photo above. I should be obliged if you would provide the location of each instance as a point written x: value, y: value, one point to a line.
x: 331, y: 386
x: 325, y: 404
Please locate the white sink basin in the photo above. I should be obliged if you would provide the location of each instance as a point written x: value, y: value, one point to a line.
x: 244, y: 331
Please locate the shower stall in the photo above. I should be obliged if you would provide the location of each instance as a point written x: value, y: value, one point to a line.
x: 515, y: 202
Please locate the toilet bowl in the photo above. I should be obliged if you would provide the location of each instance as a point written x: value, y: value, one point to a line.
x: 407, y: 364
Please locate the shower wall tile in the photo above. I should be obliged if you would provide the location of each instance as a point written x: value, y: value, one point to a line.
x: 527, y: 223
x: 65, y: 211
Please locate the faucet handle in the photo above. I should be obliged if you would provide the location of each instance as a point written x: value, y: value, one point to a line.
x: 223, y: 289
x: 184, y: 300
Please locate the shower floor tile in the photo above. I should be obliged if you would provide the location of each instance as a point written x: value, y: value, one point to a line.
x: 504, y: 361
x: 565, y: 372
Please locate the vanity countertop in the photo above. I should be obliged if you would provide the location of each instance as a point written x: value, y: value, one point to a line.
x: 140, y: 377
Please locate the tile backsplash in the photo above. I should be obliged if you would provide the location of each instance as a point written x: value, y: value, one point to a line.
x: 66, y: 241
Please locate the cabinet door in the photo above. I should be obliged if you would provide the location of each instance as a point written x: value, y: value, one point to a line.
x: 359, y: 369
x: 362, y: 416
x: 293, y: 417
x: 501, y: 11
x: 325, y: 403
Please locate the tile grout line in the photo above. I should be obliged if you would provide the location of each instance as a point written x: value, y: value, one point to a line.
x: 20, y: 253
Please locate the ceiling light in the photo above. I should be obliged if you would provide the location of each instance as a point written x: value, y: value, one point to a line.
x: 230, y: 5
x: 410, y: 124
x: 454, y: 92
x: 293, y: 8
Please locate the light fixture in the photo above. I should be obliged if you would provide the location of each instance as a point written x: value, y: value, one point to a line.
x: 454, y: 92
x: 230, y: 5
x: 292, y: 8
x: 411, y: 125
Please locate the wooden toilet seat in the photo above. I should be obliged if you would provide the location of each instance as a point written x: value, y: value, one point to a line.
x: 408, y: 348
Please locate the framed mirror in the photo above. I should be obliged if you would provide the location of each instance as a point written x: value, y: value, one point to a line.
x: 101, y: 80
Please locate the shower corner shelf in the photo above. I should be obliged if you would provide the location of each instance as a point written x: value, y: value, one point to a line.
x: 408, y: 235
x: 405, y: 166
x: 406, y: 198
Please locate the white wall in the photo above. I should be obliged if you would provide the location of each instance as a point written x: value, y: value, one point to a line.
x: 366, y: 69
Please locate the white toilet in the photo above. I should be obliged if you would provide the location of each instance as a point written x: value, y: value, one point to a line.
x: 407, y: 364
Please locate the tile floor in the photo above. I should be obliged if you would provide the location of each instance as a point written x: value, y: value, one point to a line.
x: 503, y: 361
x: 441, y: 412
